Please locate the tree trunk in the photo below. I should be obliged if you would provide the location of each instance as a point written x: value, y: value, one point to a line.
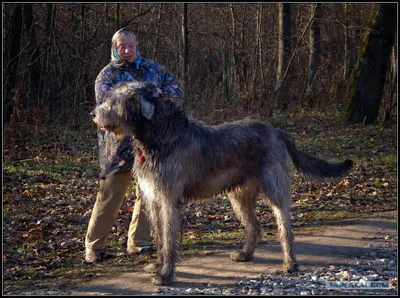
x: 258, y: 70
x: 51, y: 9
x: 32, y: 51
x: 185, y: 37
x: 365, y: 91
x: 107, y: 24
x: 87, y: 84
x: 226, y: 70
x: 83, y: 36
x: 346, y: 42
x: 315, y: 51
x: 117, y: 17
x: 157, y: 31
x: 284, y: 52
x: 45, y: 83
x: 243, y: 55
x: 234, y: 65
x: 14, y: 49
x: 391, y: 105
x: 260, y: 45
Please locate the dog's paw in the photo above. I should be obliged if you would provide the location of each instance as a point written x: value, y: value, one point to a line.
x: 240, y: 256
x: 160, y: 280
x: 290, y: 268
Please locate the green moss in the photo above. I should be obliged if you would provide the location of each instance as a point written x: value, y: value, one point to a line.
x: 329, y: 215
x: 351, y: 114
x: 114, y: 243
x: 386, y: 159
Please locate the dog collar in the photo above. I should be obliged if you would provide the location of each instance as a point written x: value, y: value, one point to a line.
x: 141, y: 157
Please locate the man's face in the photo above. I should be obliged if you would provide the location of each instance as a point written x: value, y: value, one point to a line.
x: 126, y: 47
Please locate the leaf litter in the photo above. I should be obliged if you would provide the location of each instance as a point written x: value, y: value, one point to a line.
x: 49, y: 192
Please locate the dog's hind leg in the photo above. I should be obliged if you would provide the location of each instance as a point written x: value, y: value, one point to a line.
x: 276, y: 184
x: 243, y: 202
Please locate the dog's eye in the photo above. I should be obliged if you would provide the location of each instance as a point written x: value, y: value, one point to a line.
x: 150, y: 88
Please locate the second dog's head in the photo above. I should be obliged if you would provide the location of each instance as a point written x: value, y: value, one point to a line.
x: 125, y: 105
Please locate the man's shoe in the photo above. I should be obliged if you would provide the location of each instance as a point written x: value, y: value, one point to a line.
x: 92, y: 256
x: 134, y: 250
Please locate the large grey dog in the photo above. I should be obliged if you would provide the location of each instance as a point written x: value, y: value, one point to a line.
x: 179, y: 160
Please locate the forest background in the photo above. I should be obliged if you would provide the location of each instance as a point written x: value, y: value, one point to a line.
x: 232, y: 59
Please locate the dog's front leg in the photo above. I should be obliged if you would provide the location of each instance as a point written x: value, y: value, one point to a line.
x: 154, y: 210
x: 170, y: 229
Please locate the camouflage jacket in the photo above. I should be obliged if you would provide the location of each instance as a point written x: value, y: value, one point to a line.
x: 141, y: 70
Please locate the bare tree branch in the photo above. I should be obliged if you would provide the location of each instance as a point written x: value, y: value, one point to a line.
x: 295, y: 51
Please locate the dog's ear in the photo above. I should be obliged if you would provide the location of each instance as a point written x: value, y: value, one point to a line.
x: 147, y: 108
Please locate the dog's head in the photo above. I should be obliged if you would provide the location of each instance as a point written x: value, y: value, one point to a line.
x: 125, y: 105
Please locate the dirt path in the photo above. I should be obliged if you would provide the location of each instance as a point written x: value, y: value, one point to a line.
x: 334, y: 245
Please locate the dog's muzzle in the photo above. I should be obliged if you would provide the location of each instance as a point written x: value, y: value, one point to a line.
x: 93, y: 114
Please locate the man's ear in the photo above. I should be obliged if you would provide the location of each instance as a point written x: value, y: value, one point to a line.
x: 147, y: 108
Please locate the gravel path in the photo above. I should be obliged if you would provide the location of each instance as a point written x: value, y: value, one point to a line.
x: 355, y: 253
x: 379, y: 264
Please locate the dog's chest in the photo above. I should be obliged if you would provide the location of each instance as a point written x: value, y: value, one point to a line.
x: 147, y: 187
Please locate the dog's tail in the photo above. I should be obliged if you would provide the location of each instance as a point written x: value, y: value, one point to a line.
x: 311, y: 165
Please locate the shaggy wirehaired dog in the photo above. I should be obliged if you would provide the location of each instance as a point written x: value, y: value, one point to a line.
x: 179, y: 160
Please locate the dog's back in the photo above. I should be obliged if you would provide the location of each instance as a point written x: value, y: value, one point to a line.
x: 215, y: 159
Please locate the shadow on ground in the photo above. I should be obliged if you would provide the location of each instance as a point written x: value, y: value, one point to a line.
x: 334, y: 245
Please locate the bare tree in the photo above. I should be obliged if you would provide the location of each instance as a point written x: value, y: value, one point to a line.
x: 158, y: 26
x: 284, y: 52
x: 233, y: 65
x: 33, y: 51
x: 346, y: 42
x: 45, y: 83
x: 117, y: 16
x: 258, y: 64
x: 107, y: 24
x: 185, y: 37
x: 244, y: 71
x: 391, y: 103
x: 14, y: 51
x: 315, y: 51
x: 366, y: 88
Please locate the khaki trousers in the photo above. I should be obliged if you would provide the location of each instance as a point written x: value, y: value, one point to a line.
x: 105, y: 211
